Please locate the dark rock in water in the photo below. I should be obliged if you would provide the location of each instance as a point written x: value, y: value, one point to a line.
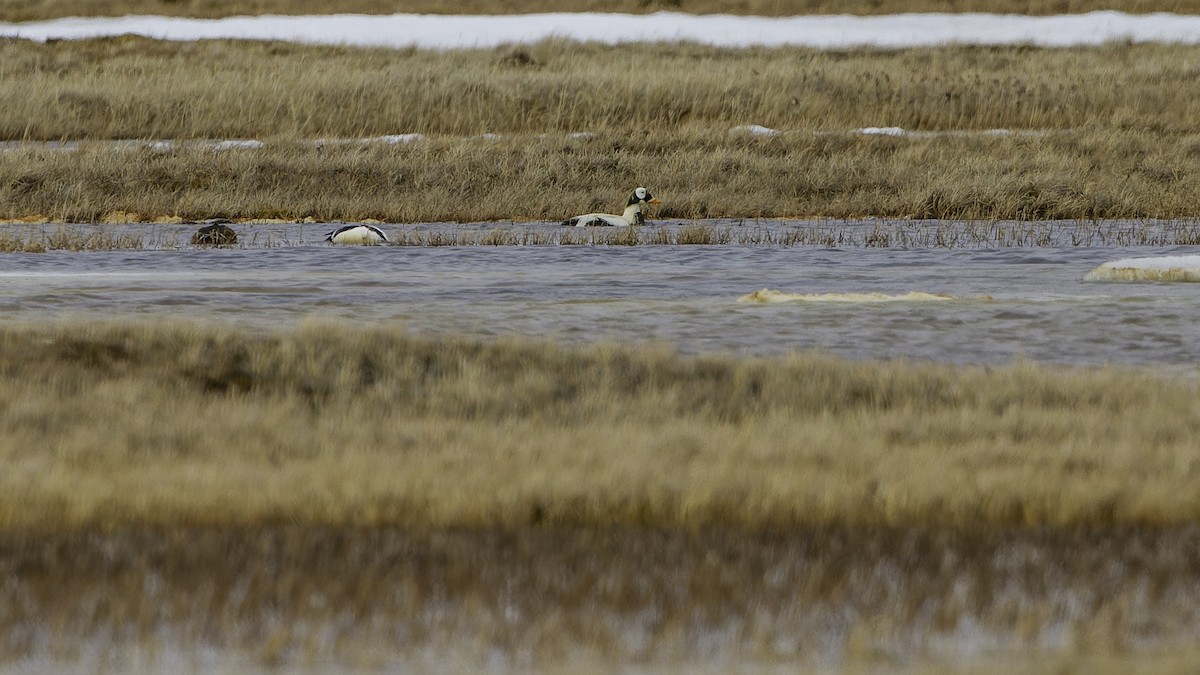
x: 215, y: 235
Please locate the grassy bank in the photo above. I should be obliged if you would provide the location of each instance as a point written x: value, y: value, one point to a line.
x: 374, y: 500
x: 345, y: 428
x: 600, y: 600
x: 130, y: 87
x: 1097, y: 132
x: 30, y: 10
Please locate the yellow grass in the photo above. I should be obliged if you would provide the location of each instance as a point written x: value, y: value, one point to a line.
x: 116, y: 426
x: 130, y: 87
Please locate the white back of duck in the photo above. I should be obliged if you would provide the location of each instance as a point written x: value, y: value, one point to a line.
x: 631, y: 216
x: 362, y: 235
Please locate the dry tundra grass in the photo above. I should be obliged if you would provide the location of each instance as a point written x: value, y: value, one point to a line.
x: 28, y: 10
x: 1079, y: 176
x: 1099, y: 133
x: 362, y: 497
x: 352, y: 428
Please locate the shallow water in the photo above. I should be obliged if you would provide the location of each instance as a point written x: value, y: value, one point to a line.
x: 1004, y: 302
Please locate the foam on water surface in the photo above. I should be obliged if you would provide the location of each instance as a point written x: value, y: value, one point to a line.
x: 1184, y: 268
x: 468, y: 31
x: 767, y: 295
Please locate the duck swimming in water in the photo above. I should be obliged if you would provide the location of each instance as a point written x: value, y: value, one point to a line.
x: 632, y: 216
x: 357, y: 234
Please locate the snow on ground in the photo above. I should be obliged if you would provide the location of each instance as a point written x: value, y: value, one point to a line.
x: 825, y: 32
x: 756, y: 130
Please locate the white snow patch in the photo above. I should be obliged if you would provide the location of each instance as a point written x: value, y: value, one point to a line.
x: 392, y: 139
x: 395, y: 139
x: 237, y: 144
x: 949, y: 133
x: 822, y: 32
x: 756, y: 130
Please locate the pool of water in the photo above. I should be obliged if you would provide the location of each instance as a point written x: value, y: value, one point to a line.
x: 974, y: 304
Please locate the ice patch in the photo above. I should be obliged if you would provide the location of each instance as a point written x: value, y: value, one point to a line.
x: 395, y: 139
x: 391, y: 139
x: 767, y: 295
x: 819, y: 32
x: 756, y: 130
x: 947, y: 133
x: 237, y: 145
x: 1164, y: 268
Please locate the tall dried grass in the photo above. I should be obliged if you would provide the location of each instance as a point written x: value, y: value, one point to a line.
x: 1108, y: 133
x: 166, y: 425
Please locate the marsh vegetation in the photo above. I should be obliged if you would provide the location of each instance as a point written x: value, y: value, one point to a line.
x: 568, y: 436
x: 351, y: 427
x: 1087, y: 133
x: 641, y: 503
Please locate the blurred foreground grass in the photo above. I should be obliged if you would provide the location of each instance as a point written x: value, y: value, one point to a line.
x: 167, y: 425
x: 185, y: 496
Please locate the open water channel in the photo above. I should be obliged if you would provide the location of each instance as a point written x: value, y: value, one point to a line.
x: 958, y: 304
